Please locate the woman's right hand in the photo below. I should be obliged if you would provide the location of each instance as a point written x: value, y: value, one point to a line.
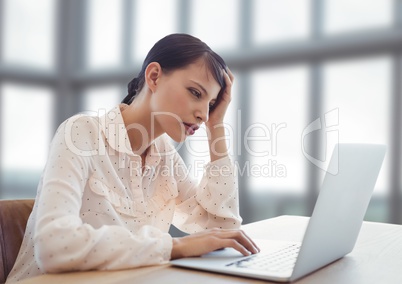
x: 210, y: 240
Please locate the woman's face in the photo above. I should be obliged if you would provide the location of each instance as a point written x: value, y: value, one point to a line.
x: 182, y: 99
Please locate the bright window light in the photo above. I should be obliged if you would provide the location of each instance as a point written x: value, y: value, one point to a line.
x: 349, y: 15
x: 104, y: 37
x: 27, y: 126
x: 29, y: 33
x: 217, y: 23
x: 361, y: 89
x: 98, y: 100
x: 273, y: 140
x: 277, y: 21
x: 151, y: 24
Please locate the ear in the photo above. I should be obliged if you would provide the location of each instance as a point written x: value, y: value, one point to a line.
x: 152, y: 75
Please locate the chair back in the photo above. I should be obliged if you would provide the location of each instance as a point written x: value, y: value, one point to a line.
x: 14, y: 215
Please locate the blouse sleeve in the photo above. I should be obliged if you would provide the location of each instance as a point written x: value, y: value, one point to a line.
x: 62, y: 242
x: 213, y: 203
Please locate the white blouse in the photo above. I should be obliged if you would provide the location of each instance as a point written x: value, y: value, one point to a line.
x: 97, y: 208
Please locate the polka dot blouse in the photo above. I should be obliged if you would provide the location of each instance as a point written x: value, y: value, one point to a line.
x: 97, y: 207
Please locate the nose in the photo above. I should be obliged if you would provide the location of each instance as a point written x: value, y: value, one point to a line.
x: 203, y: 113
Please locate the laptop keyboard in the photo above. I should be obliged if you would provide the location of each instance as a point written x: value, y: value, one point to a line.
x: 281, y: 260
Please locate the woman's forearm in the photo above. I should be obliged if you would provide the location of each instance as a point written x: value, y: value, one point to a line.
x: 217, y: 142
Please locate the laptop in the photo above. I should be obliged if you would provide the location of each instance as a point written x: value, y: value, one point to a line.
x: 332, y: 230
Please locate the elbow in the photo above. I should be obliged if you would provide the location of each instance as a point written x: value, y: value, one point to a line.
x: 46, y: 265
x: 58, y: 246
x: 57, y: 255
x: 56, y: 260
x: 49, y: 258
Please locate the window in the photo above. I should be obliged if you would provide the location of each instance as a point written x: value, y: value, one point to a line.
x: 26, y: 125
x: 153, y: 20
x: 26, y: 121
x: 352, y: 15
x: 361, y: 89
x: 104, y: 37
x: 273, y: 139
x: 278, y: 21
x: 29, y: 33
x: 216, y: 23
x: 101, y: 99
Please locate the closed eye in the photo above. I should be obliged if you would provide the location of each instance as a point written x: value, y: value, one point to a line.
x: 212, y: 105
x: 195, y: 93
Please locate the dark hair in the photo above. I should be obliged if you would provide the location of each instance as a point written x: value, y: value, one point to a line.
x: 176, y: 51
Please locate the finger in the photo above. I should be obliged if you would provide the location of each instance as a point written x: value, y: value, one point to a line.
x: 228, y: 80
x: 228, y: 90
x: 254, y: 244
x: 236, y: 245
x: 231, y: 76
x: 242, y: 238
x: 251, y: 240
x: 247, y: 242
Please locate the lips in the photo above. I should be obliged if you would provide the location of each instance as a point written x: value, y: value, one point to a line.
x: 190, y: 128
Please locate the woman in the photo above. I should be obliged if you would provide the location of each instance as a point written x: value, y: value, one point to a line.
x: 113, y: 184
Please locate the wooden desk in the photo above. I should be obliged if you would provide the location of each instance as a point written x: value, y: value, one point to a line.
x: 376, y: 258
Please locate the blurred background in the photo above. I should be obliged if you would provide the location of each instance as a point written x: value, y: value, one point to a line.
x: 297, y: 63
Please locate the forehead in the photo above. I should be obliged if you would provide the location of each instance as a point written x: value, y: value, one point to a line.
x: 198, y: 72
